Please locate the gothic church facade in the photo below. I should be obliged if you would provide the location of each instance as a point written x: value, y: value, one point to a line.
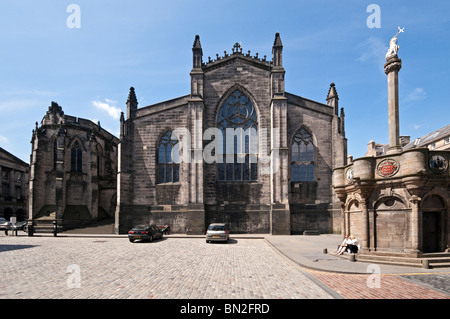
x: 237, y: 149
x: 73, y: 167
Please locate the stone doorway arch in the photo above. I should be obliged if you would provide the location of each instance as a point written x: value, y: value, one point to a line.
x: 433, y: 225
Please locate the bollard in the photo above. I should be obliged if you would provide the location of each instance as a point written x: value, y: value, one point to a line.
x: 325, y: 251
x: 55, y: 228
x: 352, y: 257
x: 425, y: 264
x: 30, y: 229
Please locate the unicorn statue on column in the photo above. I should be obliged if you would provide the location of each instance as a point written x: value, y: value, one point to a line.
x: 393, y: 46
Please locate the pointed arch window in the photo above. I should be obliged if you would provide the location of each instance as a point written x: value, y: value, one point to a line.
x: 302, y: 157
x: 76, y: 157
x: 168, y: 167
x: 99, y: 160
x: 237, y: 115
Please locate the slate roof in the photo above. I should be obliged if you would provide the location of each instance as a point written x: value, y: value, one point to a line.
x: 429, y: 138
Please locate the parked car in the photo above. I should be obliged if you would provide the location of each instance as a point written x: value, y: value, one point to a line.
x: 217, y: 232
x: 22, y: 225
x: 145, y: 233
x: 5, y: 224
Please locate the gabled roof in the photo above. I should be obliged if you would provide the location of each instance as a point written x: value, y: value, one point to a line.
x: 439, y: 134
x: 236, y: 54
x: 297, y: 100
x: 8, y: 157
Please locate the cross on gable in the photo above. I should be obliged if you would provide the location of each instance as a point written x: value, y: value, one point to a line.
x: 237, y: 48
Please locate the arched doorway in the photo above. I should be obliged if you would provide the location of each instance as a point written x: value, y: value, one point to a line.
x: 8, y: 213
x: 20, y: 214
x: 433, y: 212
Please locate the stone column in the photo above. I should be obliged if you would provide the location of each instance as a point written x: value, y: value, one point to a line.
x: 391, y: 68
x: 59, y: 180
x: 23, y: 185
x: 346, y: 223
x: 365, y: 226
x: 12, y: 185
x: 280, y: 213
x: 1, y: 183
x: 416, y: 218
x: 195, y: 212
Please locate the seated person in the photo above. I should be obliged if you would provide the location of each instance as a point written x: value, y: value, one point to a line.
x: 352, y: 245
x: 342, y: 247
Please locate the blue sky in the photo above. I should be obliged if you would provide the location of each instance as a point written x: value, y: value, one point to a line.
x: 148, y: 45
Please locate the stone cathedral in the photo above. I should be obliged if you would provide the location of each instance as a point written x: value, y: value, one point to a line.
x: 237, y: 149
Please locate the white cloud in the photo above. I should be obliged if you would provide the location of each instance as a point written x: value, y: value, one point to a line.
x: 418, y: 94
x: 109, y: 106
x: 3, y: 140
x: 372, y: 49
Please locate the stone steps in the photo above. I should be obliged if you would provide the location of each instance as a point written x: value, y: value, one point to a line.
x: 105, y: 226
x: 437, y: 260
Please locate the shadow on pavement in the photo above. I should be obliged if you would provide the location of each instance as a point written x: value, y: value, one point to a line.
x: 15, y: 247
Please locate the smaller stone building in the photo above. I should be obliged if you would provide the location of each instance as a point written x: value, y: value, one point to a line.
x: 13, y: 186
x: 73, y: 170
x: 398, y: 202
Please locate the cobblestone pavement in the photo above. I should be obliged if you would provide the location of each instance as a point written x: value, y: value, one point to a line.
x: 47, y: 267
x: 185, y: 268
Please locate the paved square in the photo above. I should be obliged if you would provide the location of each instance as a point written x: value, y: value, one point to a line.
x: 48, y: 267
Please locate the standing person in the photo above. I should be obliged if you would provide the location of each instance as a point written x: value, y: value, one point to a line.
x: 166, y: 229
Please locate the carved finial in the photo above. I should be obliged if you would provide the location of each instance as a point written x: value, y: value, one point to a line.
x: 132, y: 96
x: 55, y: 108
x: 277, y: 41
x: 277, y: 52
x: 333, y: 98
x: 332, y: 93
x: 237, y: 48
x: 197, y: 53
x: 197, y: 44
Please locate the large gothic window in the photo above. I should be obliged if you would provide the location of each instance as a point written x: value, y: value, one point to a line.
x: 168, y: 167
x: 76, y: 157
x: 238, y: 122
x: 302, y: 157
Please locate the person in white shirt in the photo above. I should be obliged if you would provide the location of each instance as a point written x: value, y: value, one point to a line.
x: 352, y: 245
x: 343, y: 246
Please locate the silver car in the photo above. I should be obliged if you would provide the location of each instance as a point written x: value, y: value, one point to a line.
x: 5, y: 224
x: 217, y: 232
